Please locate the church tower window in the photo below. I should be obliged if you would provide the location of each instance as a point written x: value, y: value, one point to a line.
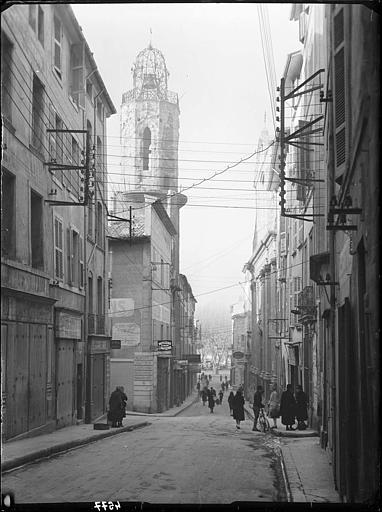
x: 146, y: 148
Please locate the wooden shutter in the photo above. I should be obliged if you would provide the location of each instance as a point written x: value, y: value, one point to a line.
x: 59, y: 249
x: 69, y: 256
x: 77, y: 85
x: 81, y: 262
x: 339, y: 91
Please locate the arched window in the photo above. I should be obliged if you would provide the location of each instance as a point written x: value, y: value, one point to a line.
x: 146, y: 148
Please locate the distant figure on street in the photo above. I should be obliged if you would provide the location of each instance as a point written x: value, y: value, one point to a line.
x: 211, y: 401
x: 257, y: 405
x: 221, y: 378
x: 204, y: 396
x: 226, y: 385
x: 198, y: 387
x: 238, y: 408
x: 301, y: 408
x: 124, y: 402
x: 288, y: 408
x: 230, y: 402
x: 221, y: 394
x: 213, y: 391
x: 222, y: 386
x: 274, y: 405
x: 115, y: 413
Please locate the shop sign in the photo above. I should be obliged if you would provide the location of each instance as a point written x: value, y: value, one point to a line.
x: 68, y: 326
x: 238, y: 354
x: 164, y: 345
x: 182, y: 362
x: 115, y: 344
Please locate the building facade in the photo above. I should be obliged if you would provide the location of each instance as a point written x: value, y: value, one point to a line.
x: 49, y: 124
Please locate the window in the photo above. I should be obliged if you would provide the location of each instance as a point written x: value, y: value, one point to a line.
x: 99, y: 224
x: 32, y: 16
x: 90, y: 219
x: 100, y: 306
x: 57, y: 47
x: 100, y: 110
x: 40, y: 28
x: 37, y: 114
x: 81, y: 263
x: 77, y: 74
x: 90, y: 294
x: 297, y: 289
x: 75, y: 261
x: 89, y: 89
x: 8, y: 238
x: 146, y: 148
x: 36, y: 21
x: 161, y: 272
x: 339, y: 95
x: 68, y: 256
x: 58, y: 249
x: 6, y: 76
x: 36, y: 231
x: 74, y: 174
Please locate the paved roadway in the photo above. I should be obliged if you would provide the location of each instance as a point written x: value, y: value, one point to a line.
x: 195, y: 457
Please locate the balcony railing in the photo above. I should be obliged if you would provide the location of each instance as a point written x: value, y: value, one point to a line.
x: 306, y: 304
x: 96, y: 324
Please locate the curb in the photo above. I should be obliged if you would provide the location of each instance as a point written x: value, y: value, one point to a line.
x: 285, y: 475
x: 196, y: 399
x: 68, y: 445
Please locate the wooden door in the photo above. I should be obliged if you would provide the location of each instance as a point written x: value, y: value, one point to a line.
x: 37, y: 375
x: 17, y: 379
x: 65, y: 382
x: 98, y: 385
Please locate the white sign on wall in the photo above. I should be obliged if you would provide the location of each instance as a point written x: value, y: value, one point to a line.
x: 128, y: 333
x: 123, y: 307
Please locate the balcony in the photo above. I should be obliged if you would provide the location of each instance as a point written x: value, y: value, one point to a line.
x: 306, y: 305
x: 96, y: 324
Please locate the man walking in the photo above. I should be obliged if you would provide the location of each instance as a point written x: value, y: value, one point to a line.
x: 257, y: 405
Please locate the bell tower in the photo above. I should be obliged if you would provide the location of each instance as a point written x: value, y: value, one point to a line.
x: 150, y: 128
x: 149, y: 138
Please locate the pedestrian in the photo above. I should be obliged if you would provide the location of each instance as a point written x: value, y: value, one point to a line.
x: 115, y: 412
x: 213, y: 391
x: 211, y: 401
x: 226, y: 385
x: 257, y: 405
x: 123, y: 405
x: 301, y: 408
x: 222, y: 386
x: 238, y: 408
x: 274, y: 405
x: 288, y: 408
x: 221, y: 394
x: 230, y: 402
x: 221, y: 378
x: 198, y: 387
x: 204, y: 396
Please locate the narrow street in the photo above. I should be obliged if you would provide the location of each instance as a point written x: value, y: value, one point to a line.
x: 196, y: 457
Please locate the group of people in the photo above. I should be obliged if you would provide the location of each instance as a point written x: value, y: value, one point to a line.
x: 209, y: 394
x: 290, y: 407
x: 117, y: 407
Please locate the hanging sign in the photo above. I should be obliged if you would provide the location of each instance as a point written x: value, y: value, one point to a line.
x: 164, y: 344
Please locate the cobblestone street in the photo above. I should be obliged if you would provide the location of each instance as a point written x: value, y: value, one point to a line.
x: 196, y: 457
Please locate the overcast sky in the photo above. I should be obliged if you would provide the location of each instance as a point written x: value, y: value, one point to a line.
x: 214, y: 55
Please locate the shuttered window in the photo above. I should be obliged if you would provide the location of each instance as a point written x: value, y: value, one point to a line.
x: 339, y: 76
x: 58, y: 249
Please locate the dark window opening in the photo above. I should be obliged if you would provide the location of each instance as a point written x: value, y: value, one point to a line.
x: 90, y: 294
x: 100, y: 308
x: 146, y: 148
x: 57, y: 47
x: 6, y: 76
x: 77, y: 74
x: 40, y: 28
x: 8, y: 238
x: 37, y: 114
x: 99, y: 225
x: 36, y: 218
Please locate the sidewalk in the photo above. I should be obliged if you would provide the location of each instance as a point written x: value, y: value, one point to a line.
x: 24, y: 451
x: 307, y: 474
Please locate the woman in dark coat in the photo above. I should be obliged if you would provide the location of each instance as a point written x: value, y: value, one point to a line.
x: 211, y: 401
x: 204, y: 396
x: 115, y: 413
x: 238, y: 408
x: 301, y: 408
x: 288, y: 408
x: 230, y: 402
